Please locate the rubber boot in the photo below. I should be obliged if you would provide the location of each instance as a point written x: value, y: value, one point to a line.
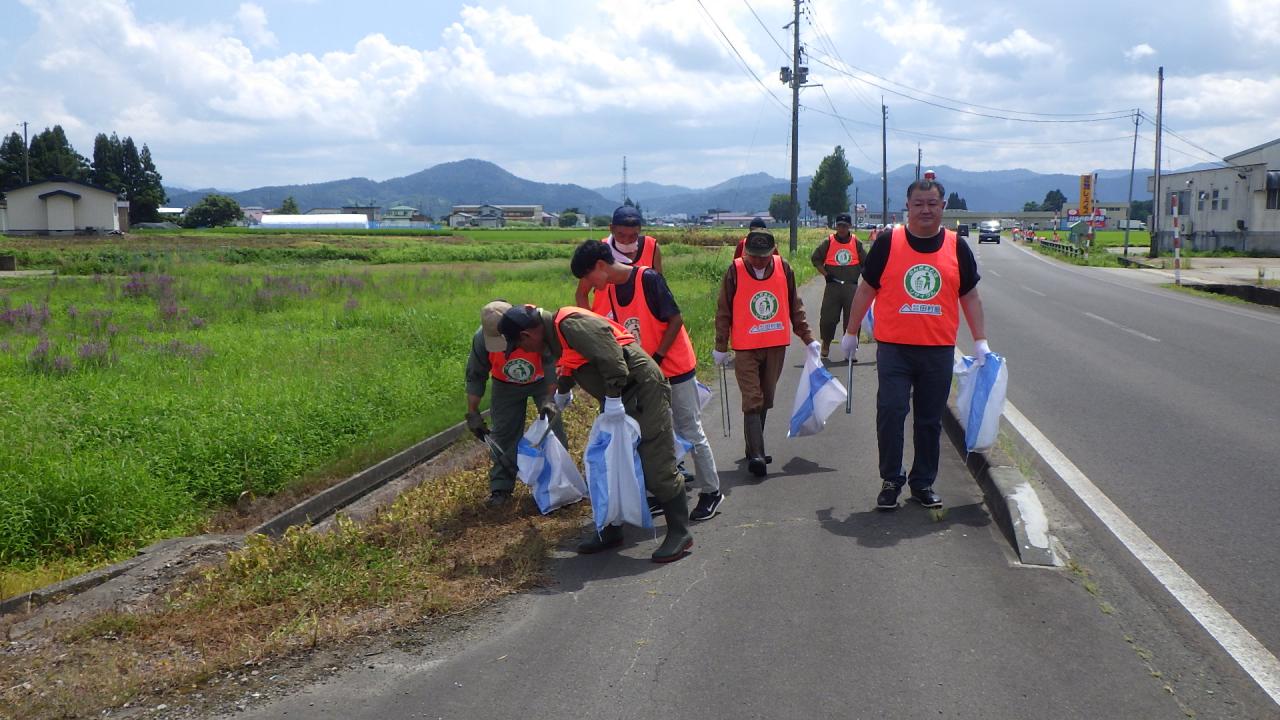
x: 753, y: 428
x: 678, y: 539
x: 764, y: 420
x: 826, y: 349
x: 610, y: 537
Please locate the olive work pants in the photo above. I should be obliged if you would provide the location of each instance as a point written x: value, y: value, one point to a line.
x: 757, y: 372
x: 647, y: 399
x: 837, y: 303
x: 508, y: 403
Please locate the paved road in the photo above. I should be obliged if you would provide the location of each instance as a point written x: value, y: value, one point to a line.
x: 1168, y: 403
x: 799, y: 601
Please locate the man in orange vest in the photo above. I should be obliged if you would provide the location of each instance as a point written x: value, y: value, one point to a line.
x: 756, y: 314
x: 839, y: 260
x: 517, y: 379
x: 629, y: 247
x: 604, y: 359
x: 921, y: 276
x: 648, y: 311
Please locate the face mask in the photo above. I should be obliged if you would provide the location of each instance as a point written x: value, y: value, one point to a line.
x: 626, y: 248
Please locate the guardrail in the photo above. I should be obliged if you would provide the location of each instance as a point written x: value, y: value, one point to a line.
x: 1064, y: 248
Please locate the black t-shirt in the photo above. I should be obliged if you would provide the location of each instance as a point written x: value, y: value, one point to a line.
x: 878, y: 257
x: 662, y: 304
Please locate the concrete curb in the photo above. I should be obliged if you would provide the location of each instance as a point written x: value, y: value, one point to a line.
x: 1010, y: 497
x: 310, y: 510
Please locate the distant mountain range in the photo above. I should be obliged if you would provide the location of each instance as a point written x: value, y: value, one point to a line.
x: 436, y: 189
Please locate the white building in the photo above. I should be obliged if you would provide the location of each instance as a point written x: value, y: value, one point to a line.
x: 343, y: 220
x: 1237, y: 206
x: 62, y: 206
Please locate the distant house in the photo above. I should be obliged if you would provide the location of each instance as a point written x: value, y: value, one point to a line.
x: 399, y: 216
x: 733, y: 219
x: 373, y: 213
x: 487, y: 216
x: 62, y: 206
x: 253, y: 214
x: 532, y: 214
x: 324, y: 211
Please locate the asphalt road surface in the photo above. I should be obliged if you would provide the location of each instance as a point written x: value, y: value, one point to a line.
x: 801, y: 601
x: 1169, y: 403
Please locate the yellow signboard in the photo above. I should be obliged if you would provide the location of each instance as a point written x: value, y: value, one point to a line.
x: 1086, y: 194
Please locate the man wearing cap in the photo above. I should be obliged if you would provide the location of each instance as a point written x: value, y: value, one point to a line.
x: 640, y: 300
x: 757, y: 311
x: 604, y: 359
x: 629, y: 247
x: 756, y: 224
x: 839, y: 260
x: 517, y: 378
x: 922, y: 276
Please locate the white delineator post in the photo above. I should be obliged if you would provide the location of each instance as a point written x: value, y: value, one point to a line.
x: 1177, y: 242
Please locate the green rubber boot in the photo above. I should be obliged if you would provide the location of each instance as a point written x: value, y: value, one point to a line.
x: 678, y: 539
x: 607, y: 539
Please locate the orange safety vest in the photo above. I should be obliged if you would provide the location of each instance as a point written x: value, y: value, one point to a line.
x: 919, y: 298
x: 841, y: 254
x: 571, y: 359
x: 521, y: 367
x: 649, y: 330
x: 761, y: 308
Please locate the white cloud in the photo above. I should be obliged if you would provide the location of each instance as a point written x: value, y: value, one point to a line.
x: 1258, y: 19
x: 1139, y: 51
x: 253, y: 24
x: 1018, y: 44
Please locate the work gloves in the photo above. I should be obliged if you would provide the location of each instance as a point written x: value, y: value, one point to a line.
x: 721, y: 358
x: 476, y: 426
x: 849, y: 345
x: 814, y: 349
x: 980, y: 351
x: 613, y: 407
x: 555, y: 404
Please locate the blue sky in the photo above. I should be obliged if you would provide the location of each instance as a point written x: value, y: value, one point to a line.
x: 242, y: 94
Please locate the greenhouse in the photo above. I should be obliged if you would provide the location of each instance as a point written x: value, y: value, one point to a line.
x: 316, y: 221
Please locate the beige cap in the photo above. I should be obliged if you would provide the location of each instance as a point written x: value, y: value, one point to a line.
x: 490, y: 317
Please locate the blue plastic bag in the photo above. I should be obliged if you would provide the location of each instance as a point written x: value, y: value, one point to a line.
x: 548, y: 469
x: 614, y: 474
x: 817, y: 396
x: 980, y: 399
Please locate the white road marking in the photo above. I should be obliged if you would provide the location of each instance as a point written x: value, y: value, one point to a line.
x: 1239, y: 643
x: 993, y: 272
x: 1032, y: 291
x: 1118, y: 326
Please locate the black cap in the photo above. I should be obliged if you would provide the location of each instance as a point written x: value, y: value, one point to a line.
x: 844, y: 218
x: 759, y: 243
x: 515, y: 321
x: 757, y: 222
x: 627, y: 215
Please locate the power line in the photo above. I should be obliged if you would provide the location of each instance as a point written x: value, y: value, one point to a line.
x: 996, y: 143
x: 846, y: 128
x: 767, y: 31
x: 741, y: 59
x: 825, y: 37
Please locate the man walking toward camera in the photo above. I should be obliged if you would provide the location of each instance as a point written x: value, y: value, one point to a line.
x: 839, y: 260
x: 640, y: 300
x: 517, y: 377
x: 756, y: 314
x: 604, y: 359
x: 921, y: 276
x: 629, y: 247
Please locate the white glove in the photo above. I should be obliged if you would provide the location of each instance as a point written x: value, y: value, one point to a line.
x: 815, y: 351
x: 613, y: 407
x: 849, y: 345
x: 980, y: 351
x: 721, y: 358
x: 563, y: 399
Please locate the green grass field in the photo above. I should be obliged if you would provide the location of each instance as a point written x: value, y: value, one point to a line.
x: 149, y: 395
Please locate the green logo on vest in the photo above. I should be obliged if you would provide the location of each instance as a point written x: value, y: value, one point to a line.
x: 843, y: 257
x: 632, y: 325
x: 922, y: 282
x: 764, y: 305
x: 518, y: 370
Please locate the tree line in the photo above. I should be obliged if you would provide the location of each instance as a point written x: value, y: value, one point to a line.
x: 117, y: 165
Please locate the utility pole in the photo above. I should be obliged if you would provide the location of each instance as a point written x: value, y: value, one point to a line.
x: 1133, y: 163
x: 919, y: 158
x: 1154, y: 229
x: 796, y: 81
x: 855, y: 207
x: 884, y: 163
x: 624, y: 180
x: 26, y: 154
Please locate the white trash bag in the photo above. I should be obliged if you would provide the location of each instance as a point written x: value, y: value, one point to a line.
x: 548, y: 469
x: 817, y: 396
x: 980, y: 399
x: 614, y: 473
x: 704, y: 394
x: 869, y: 321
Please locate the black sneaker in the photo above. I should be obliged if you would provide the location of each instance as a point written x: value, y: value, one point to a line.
x: 708, y: 506
x: 888, y: 497
x: 498, y: 498
x: 655, y: 507
x: 926, y: 497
